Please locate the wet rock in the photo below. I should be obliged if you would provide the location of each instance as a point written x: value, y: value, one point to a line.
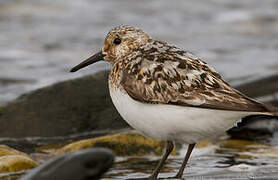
x: 258, y: 127
x: 49, y: 148
x: 255, y: 128
x: 13, y: 163
x: 12, y: 160
x: 6, y: 150
x: 261, y: 88
x: 64, y: 108
x: 84, y: 164
x: 122, y: 144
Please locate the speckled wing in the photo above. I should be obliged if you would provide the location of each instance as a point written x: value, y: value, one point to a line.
x: 165, y: 74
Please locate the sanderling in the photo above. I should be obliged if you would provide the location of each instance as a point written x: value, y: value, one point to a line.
x: 167, y: 93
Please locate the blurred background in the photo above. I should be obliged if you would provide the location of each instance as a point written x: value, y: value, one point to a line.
x: 41, y: 40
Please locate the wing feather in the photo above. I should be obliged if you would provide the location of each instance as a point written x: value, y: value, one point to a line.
x: 173, y: 76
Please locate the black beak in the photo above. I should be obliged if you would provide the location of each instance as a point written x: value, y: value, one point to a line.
x: 95, y: 58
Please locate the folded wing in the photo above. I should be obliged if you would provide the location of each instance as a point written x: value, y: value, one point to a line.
x: 178, y: 77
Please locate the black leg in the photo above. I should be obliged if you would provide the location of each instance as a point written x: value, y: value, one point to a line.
x: 189, y: 150
x: 169, y: 149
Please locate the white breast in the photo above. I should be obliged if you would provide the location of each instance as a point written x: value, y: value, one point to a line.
x: 172, y: 122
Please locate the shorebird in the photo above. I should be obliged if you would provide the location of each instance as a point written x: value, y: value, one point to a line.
x: 167, y: 93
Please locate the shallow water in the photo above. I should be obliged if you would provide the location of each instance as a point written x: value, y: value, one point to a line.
x: 210, y: 162
x: 40, y: 40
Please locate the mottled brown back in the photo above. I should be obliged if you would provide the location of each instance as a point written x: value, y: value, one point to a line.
x: 159, y: 73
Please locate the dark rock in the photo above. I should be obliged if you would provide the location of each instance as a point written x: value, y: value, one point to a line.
x: 261, y: 88
x: 127, y: 143
x: 62, y: 109
x: 85, y: 164
x: 258, y: 127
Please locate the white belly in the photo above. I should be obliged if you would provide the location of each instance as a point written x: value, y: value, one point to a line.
x: 172, y: 122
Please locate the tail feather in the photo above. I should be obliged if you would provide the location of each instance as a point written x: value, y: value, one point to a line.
x: 272, y: 110
x: 271, y: 113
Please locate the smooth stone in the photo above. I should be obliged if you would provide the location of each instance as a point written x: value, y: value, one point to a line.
x: 13, y: 163
x: 6, y: 150
x: 85, y: 164
x: 74, y: 106
x: 123, y: 144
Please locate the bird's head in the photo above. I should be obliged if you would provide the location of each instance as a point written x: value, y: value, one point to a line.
x: 119, y: 42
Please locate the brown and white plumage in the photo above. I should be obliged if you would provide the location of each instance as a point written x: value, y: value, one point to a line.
x: 167, y: 93
x: 159, y: 73
x: 151, y: 73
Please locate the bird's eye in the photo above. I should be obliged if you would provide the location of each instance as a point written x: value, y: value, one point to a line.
x: 117, y: 41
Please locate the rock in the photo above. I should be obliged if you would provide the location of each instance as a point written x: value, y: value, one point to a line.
x: 49, y: 148
x: 12, y: 160
x: 84, y: 164
x: 13, y: 163
x: 261, y: 88
x: 64, y: 108
x: 255, y: 128
x: 6, y: 150
x: 258, y: 127
x: 122, y: 144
